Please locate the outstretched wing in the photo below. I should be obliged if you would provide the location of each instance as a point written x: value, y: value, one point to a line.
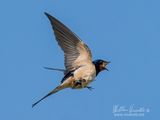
x: 76, y: 52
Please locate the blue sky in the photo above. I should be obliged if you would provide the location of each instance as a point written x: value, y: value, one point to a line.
x: 125, y: 32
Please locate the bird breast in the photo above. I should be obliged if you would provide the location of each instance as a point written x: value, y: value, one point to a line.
x: 86, y: 72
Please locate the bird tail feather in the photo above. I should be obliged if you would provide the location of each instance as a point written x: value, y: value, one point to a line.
x: 58, y: 88
x: 56, y: 69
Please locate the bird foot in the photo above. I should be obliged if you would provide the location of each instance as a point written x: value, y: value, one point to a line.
x: 90, y: 88
x: 78, y: 82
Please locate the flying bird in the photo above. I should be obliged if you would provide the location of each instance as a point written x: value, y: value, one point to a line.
x: 80, y: 70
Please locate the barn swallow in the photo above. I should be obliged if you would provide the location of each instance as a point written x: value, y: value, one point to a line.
x: 80, y: 69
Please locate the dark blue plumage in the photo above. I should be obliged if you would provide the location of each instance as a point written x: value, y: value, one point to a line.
x: 98, y: 64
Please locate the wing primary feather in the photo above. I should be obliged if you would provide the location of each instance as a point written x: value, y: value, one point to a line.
x: 76, y: 52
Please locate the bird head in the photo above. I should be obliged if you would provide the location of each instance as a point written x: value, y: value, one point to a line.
x: 100, y: 65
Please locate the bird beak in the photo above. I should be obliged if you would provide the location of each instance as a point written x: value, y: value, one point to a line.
x: 106, y: 63
x: 106, y: 69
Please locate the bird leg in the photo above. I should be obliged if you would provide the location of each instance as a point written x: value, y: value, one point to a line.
x: 90, y: 88
x: 78, y: 82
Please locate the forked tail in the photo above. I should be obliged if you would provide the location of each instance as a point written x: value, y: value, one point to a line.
x: 56, y: 69
x: 52, y: 92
